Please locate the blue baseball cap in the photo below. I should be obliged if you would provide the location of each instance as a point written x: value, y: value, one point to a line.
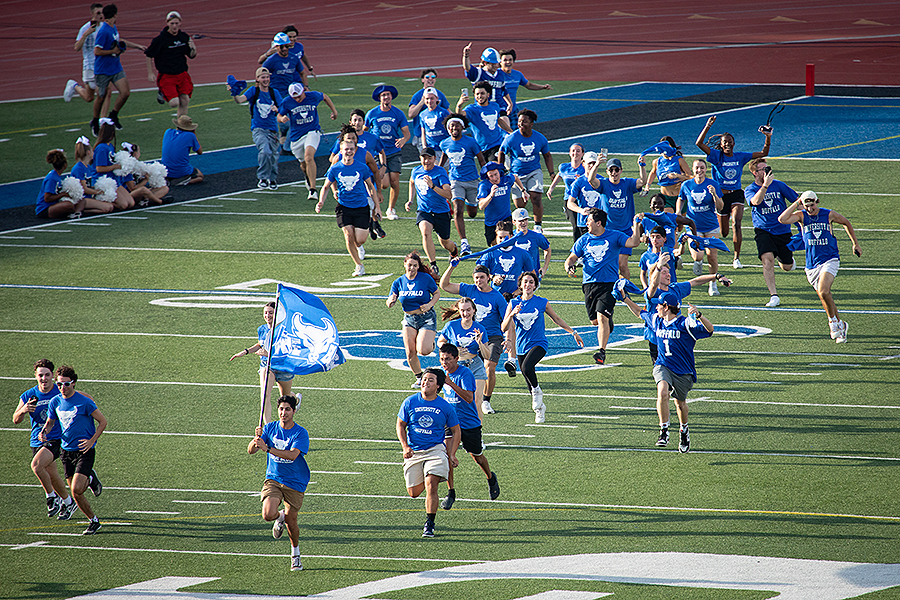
x: 376, y: 95
x: 669, y: 299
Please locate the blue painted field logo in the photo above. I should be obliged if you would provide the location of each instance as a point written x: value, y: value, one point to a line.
x: 387, y: 346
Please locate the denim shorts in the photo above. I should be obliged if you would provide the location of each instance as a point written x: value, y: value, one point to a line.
x: 426, y: 320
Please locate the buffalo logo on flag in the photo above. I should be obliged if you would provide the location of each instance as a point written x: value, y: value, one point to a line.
x: 305, y: 339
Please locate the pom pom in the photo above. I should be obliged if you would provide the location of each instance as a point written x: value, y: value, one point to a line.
x: 130, y: 165
x: 73, y: 189
x: 236, y: 86
x: 156, y: 174
x: 107, y: 188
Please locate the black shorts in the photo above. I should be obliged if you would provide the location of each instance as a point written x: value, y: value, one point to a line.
x: 490, y: 231
x: 470, y: 440
x: 357, y: 217
x: 439, y: 221
x: 76, y: 461
x: 491, y: 153
x: 598, y: 299
x: 731, y: 198
x: 776, y: 244
x: 54, y: 446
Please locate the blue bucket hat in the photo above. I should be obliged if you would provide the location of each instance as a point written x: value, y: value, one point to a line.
x: 384, y: 88
x: 490, y: 167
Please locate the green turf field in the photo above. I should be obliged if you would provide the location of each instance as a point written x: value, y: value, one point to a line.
x: 794, y: 438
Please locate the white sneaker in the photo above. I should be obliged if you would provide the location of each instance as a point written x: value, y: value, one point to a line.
x: 842, y: 333
x: 538, y: 229
x: 391, y: 215
x: 362, y: 253
x: 540, y: 414
x: 278, y: 527
x: 417, y: 384
x: 313, y: 195
x: 262, y: 184
x: 793, y: 265
x: 773, y: 301
x: 835, y: 327
x: 737, y: 264
x: 713, y: 289
x: 359, y: 270
x: 69, y: 93
x: 698, y: 267
x: 486, y: 408
x: 537, y: 398
x: 296, y: 565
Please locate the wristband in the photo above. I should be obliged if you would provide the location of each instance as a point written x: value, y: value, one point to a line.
x: 699, y: 314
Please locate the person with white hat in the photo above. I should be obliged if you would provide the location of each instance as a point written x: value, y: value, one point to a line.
x: 822, y: 257
x: 300, y: 110
x: 284, y: 69
x: 417, y: 105
x: 170, y: 51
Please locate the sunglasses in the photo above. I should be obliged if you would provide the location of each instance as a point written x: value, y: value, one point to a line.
x: 65, y: 383
x: 614, y: 169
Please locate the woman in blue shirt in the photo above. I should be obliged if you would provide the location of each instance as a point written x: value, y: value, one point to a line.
x: 418, y: 293
x: 568, y: 173
x: 470, y: 338
x: 526, y: 313
x: 105, y: 163
x: 52, y: 201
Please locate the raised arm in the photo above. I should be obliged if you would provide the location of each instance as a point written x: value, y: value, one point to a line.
x: 700, y: 138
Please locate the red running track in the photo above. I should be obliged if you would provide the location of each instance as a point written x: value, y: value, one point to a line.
x: 767, y: 42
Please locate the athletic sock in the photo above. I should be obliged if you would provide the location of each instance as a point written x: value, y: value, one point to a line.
x: 50, y: 495
x: 486, y: 399
x: 429, y: 517
x: 464, y: 241
x: 664, y: 425
x: 295, y: 550
x: 68, y: 501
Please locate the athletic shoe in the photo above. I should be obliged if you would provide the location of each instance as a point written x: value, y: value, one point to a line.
x: 376, y: 226
x: 600, y: 356
x: 116, y: 122
x: 428, y: 530
x: 510, y: 367
x: 92, y: 528
x: 359, y: 270
x: 295, y: 563
x: 773, y: 301
x: 713, y: 289
x: 464, y: 249
x: 540, y: 414
x: 486, y: 408
x: 447, y: 503
x: 435, y: 271
x: 698, y: 267
x: 372, y: 233
x: 262, y: 184
x: 841, y: 337
x: 168, y: 199
x: 361, y: 252
x: 95, y: 127
x: 273, y: 185
x: 537, y: 398
x: 160, y: 98
x: 685, y: 444
x: 95, y: 485
x: 391, y: 214
x: 538, y: 229
x: 793, y: 265
x: 494, y: 486
x: 417, y: 384
x: 278, y: 527
x: 835, y: 327
x: 313, y: 195
x: 736, y: 263
x: 75, y: 215
x: 66, y: 510
x: 69, y: 92
x: 663, y: 439
x: 54, y: 503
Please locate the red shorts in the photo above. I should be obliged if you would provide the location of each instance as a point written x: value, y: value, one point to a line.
x: 173, y: 86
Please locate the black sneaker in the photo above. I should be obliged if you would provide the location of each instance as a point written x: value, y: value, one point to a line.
x: 447, y: 503
x: 510, y: 367
x: 92, y: 528
x: 95, y: 127
x: 160, y: 98
x: 169, y: 199
x: 372, y: 233
x: 663, y: 439
x: 115, y: 121
x: 428, y: 530
x: 494, y: 486
x: 54, y: 503
x: 685, y: 444
x: 66, y: 510
x: 95, y: 485
x: 378, y: 230
x: 600, y: 356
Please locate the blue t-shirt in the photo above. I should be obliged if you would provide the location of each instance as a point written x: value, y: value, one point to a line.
x: 106, y: 38
x: 461, y: 157
x: 666, y: 221
x: 428, y: 200
x: 821, y: 245
x: 675, y: 341
x: 432, y: 123
x: 426, y: 420
x: 176, y: 149
x: 105, y: 156
x: 649, y: 258
x: 498, y: 81
x: 483, y: 124
x: 701, y: 207
x: 600, y: 255
x: 585, y: 196
x: 765, y: 215
x: 364, y: 141
x: 668, y: 171
x: 350, y: 183
x: 388, y: 126
x: 516, y: 78
x: 304, y: 115
x: 530, y: 328
x: 466, y: 338
x: 263, y: 113
x: 569, y: 174
x: 284, y: 71
x: 414, y: 293
x: 509, y: 262
x: 85, y: 173
x: 416, y: 98
x: 498, y: 209
x: 618, y: 202
x: 39, y: 416
x: 74, y: 415
x: 262, y: 336
x: 466, y: 412
x: 727, y: 169
x: 532, y: 242
x: 525, y: 152
x: 291, y: 473
x: 52, y: 184
x: 490, y: 307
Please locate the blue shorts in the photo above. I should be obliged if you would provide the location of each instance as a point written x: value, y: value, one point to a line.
x: 426, y: 320
x: 279, y: 375
x: 476, y: 365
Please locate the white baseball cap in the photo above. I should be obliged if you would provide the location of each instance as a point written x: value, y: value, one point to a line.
x: 808, y: 195
x: 295, y: 89
x: 520, y: 214
x: 591, y: 157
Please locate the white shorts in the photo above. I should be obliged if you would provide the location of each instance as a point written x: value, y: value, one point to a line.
x: 533, y: 182
x: 310, y: 139
x: 87, y: 76
x: 712, y: 233
x: 832, y: 266
x: 432, y: 461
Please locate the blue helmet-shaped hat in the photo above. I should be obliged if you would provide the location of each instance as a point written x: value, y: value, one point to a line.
x: 281, y: 39
x: 490, y: 55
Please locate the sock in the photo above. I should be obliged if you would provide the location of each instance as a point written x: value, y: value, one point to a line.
x: 68, y: 501
x: 113, y: 114
x: 683, y: 427
x: 451, y: 492
x: 538, y: 223
x: 95, y: 519
x: 429, y: 517
x: 433, y: 263
x: 487, y: 399
x: 50, y: 495
x: 464, y: 241
x: 664, y: 425
x: 295, y: 550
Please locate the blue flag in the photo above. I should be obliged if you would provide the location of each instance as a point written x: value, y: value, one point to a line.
x: 305, y: 338
x: 660, y: 148
x: 699, y: 243
x: 624, y: 286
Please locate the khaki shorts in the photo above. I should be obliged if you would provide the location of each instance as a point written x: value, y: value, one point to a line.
x: 289, y: 496
x: 432, y: 461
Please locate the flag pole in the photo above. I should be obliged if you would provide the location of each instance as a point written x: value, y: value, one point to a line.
x: 266, y: 386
